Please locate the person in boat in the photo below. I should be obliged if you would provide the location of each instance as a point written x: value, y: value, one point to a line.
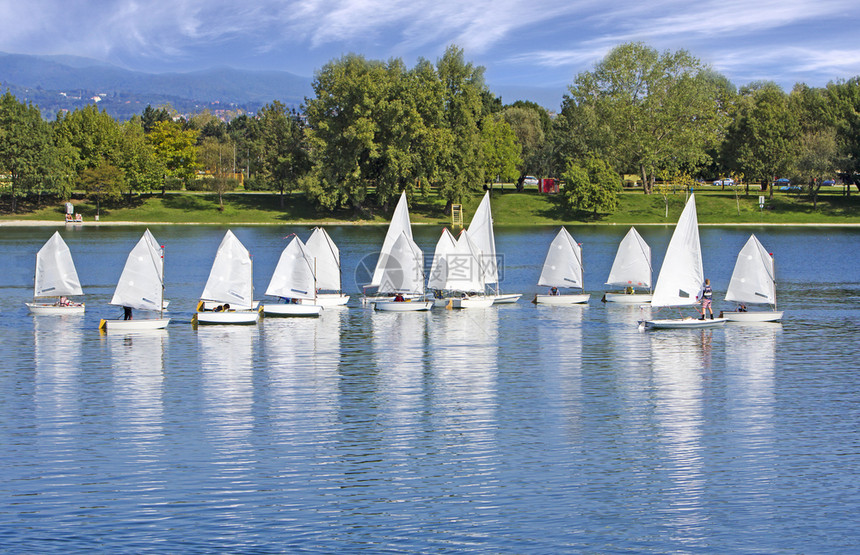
x: 553, y: 291
x: 126, y: 313
x: 707, y: 294
x: 629, y: 290
x: 219, y: 308
x: 64, y: 301
x: 742, y: 307
x: 398, y: 298
x: 226, y: 307
x: 437, y: 294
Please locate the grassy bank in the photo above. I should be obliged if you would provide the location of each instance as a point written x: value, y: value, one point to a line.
x: 509, y: 208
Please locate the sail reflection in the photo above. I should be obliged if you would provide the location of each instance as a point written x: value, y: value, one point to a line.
x: 678, y: 360
x: 137, y: 360
x: 225, y: 361
x: 57, y: 357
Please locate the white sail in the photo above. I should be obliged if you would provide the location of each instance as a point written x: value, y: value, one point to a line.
x: 140, y: 285
x: 682, y: 275
x: 294, y: 275
x: 403, y: 268
x: 230, y: 280
x: 753, y: 279
x: 55, y: 270
x: 465, y: 272
x: 563, y: 264
x: 632, y: 264
x: 399, y: 225
x: 327, y: 257
x: 439, y: 270
x: 153, y: 244
x: 481, y: 233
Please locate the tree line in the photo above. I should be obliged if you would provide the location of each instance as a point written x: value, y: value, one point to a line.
x: 373, y: 128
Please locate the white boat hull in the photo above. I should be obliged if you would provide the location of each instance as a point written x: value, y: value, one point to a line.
x: 627, y: 298
x: 54, y: 309
x: 561, y: 300
x: 402, y: 306
x: 332, y: 299
x: 682, y: 323
x: 753, y: 316
x: 141, y: 324
x: 237, y: 317
x: 508, y: 298
x: 464, y: 302
x: 284, y: 309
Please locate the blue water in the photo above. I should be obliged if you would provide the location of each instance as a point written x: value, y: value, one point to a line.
x: 513, y: 429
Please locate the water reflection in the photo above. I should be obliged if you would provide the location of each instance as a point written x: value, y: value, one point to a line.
x: 137, y: 361
x: 226, y: 365
x: 57, y: 357
x: 559, y: 337
x: 679, y: 359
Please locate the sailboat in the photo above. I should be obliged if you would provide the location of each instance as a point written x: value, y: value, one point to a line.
x: 753, y: 282
x: 229, y: 287
x: 630, y: 269
x: 153, y: 244
x: 328, y: 270
x: 140, y: 286
x: 482, y: 234
x: 456, y: 276
x: 399, y: 270
x: 562, y: 268
x: 682, y: 274
x: 293, y: 280
x: 56, y: 278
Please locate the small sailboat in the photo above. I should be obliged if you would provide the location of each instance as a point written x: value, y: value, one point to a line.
x: 399, y: 273
x: 229, y: 288
x: 56, y: 279
x: 293, y: 280
x: 456, y: 276
x: 141, y: 287
x: 682, y: 274
x: 562, y: 268
x: 753, y: 282
x: 482, y: 234
x: 156, y: 247
x: 631, y: 269
x: 328, y: 271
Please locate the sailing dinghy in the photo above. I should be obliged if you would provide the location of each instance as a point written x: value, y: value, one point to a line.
x: 753, y: 282
x: 57, y: 279
x: 153, y: 244
x: 456, y: 276
x: 482, y: 234
x: 229, y: 287
x: 562, y: 268
x: 294, y: 281
x: 399, y: 273
x: 682, y: 274
x: 631, y: 269
x: 328, y: 272
x: 141, y: 287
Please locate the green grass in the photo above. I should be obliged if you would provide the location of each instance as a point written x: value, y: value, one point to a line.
x: 509, y: 208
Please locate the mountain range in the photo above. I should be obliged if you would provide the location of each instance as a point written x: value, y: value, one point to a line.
x: 55, y: 83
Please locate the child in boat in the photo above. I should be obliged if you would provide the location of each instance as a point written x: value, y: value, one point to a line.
x: 707, y: 293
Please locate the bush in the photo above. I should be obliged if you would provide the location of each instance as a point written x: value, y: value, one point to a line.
x: 592, y: 187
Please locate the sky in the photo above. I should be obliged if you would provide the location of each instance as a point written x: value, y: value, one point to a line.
x: 537, y: 43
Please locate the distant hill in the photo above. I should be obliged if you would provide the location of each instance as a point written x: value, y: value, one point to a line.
x: 57, y: 83
x: 68, y: 82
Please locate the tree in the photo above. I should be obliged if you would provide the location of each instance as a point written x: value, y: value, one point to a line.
x: 151, y: 116
x: 285, y: 156
x: 215, y: 156
x: 175, y: 148
x: 25, y: 144
x: 640, y: 109
x: 103, y: 184
x: 527, y: 125
x: 141, y: 168
x: 93, y: 136
x: 817, y: 160
x: 593, y: 186
x: 500, y: 150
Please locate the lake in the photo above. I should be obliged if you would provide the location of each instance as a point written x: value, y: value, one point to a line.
x: 513, y: 429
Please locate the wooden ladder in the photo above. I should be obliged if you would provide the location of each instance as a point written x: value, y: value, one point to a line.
x: 457, y: 215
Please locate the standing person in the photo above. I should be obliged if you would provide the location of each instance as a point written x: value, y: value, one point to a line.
x: 126, y: 313
x: 707, y: 293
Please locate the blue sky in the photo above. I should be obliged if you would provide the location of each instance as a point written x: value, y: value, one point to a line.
x: 536, y: 43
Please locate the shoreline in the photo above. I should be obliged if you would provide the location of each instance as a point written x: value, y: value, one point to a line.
x: 52, y: 223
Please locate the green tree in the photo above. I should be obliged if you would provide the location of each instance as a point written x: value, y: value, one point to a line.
x: 651, y: 112
x: 25, y: 144
x: 93, y: 136
x: 527, y: 125
x: 844, y: 105
x: 500, y: 150
x: 593, y: 186
x: 818, y: 160
x: 215, y: 156
x: 103, y: 184
x: 174, y: 149
x: 151, y: 116
x: 285, y: 156
x: 142, y: 170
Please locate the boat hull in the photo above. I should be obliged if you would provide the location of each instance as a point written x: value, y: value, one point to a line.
x: 55, y: 310
x: 508, y: 298
x: 142, y: 324
x: 238, y: 317
x: 212, y: 305
x: 682, y: 323
x: 402, y: 306
x: 562, y: 300
x: 292, y: 309
x: 464, y: 302
x: 753, y: 316
x: 627, y: 298
x: 332, y: 299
